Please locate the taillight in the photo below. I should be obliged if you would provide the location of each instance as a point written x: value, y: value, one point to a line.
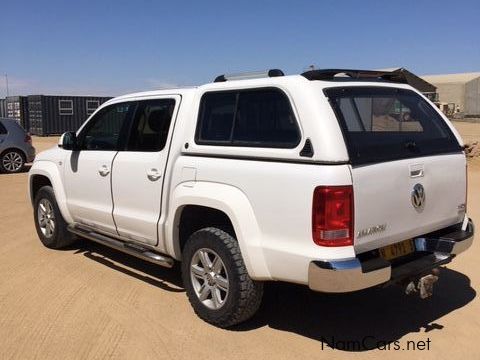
x: 332, y: 215
x: 28, y: 138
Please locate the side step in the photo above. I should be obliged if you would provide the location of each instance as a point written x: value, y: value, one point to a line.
x: 128, y: 248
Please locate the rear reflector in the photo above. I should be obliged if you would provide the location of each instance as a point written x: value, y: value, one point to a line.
x: 28, y: 138
x: 332, y: 215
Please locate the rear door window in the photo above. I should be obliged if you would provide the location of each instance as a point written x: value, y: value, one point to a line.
x: 383, y: 124
x: 252, y: 118
x: 3, y: 131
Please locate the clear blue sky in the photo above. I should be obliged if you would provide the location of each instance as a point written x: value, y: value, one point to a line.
x: 114, y: 47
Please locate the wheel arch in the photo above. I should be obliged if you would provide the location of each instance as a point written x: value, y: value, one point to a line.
x: 37, y: 181
x: 10, y: 148
x: 196, y: 217
x: 227, y: 202
x: 46, y: 173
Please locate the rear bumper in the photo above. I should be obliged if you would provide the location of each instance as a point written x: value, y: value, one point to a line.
x: 432, y: 250
x: 31, y: 152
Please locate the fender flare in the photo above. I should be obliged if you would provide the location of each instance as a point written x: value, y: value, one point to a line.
x: 51, y: 171
x: 13, y: 147
x: 235, y: 204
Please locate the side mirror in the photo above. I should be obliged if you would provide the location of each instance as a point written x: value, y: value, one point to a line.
x: 68, y: 141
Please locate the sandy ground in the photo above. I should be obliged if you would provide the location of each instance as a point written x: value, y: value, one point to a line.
x: 91, y: 302
x: 470, y: 131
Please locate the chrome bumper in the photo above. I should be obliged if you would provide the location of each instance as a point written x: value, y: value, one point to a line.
x: 354, y: 274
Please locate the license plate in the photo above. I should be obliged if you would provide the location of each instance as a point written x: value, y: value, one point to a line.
x: 396, y: 250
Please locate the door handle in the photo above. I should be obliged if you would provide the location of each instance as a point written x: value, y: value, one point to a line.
x: 104, y: 170
x: 153, y: 174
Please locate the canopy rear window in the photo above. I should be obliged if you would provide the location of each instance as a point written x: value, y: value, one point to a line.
x: 384, y: 124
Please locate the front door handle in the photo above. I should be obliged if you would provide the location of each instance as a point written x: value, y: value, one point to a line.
x: 153, y: 174
x: 104, y: 170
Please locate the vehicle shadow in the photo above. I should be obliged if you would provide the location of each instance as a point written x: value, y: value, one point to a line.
x: 163, y: 278
x: 358, y: 321
x: 350, y: 322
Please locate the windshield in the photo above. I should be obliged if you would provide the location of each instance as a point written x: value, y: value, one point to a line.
x: 383, y: 124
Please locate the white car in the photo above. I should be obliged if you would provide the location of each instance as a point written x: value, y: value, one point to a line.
x: 335, y: 179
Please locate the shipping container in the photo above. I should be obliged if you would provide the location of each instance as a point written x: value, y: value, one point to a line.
x: 17, y: 108
x: 3, y: 108
x: 53, y: 115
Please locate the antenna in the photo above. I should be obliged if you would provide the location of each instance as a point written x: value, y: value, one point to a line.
x: 6, y: 82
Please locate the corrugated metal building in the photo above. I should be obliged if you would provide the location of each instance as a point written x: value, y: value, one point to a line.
x: 51, y: 114
x: 462, y: 90
x: 3, y: 108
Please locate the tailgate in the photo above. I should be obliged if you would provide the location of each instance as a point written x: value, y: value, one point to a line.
x: 408, y: 169
x: 389, y: 206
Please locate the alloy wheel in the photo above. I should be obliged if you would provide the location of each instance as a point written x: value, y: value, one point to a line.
x: 209, y: 278
x: 12, y: 161
x: 46, y: 218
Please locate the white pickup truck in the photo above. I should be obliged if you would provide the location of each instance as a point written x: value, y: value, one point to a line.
x: 336, y: 179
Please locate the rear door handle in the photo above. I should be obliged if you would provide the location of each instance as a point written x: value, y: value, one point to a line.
x: 104, y: 170
x: 153, y: 174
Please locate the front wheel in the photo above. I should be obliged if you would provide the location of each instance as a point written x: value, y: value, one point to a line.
x: 216, y: 280
x: 50, y: 225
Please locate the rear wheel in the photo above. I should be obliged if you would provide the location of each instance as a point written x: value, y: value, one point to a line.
x: 216, y: 280
x: 50, y: 225
x: 12, y: 161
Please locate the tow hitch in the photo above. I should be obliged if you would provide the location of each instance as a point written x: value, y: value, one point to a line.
x: 423, y: 285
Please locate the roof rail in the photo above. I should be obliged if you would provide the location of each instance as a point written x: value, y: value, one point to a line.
x: 329, y: 74
x: 249, y: 75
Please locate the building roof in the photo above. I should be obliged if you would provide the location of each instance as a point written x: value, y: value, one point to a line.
x: 451, y: 78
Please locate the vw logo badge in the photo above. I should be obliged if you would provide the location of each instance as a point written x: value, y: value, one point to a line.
x: 418, y: 196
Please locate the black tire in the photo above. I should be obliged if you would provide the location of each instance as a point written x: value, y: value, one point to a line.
x: 12, y: 161
x: 59, y: 237
x: 244, y: 294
